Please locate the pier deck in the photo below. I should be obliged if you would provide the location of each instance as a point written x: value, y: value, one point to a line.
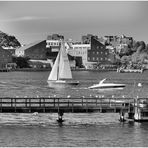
x: 54, y: 105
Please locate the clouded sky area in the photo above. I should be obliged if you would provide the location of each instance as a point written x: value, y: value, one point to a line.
x: 30, y: 21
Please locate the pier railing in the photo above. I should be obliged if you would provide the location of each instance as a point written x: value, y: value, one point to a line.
x: 47, y: 105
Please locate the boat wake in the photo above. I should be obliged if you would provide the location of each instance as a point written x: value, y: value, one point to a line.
x: 108, y: 89
x: 80, y: 88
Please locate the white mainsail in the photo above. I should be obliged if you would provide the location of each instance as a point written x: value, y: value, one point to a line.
x: 54, y: 72
x: 61, y: 68
x: 64, y: 67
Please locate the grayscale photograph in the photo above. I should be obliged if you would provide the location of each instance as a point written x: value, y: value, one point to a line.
x: 73, y: 74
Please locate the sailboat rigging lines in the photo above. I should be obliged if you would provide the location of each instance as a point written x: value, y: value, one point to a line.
x: 61, y: 72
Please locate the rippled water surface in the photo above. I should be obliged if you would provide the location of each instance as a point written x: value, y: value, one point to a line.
x: 84, y: 129
x: 95, y: 129
x: 34, y: 84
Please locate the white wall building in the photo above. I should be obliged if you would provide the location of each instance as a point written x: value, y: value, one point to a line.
x: 55, y: 44
x: 79, y: 50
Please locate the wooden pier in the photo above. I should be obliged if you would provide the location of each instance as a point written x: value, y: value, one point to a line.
x: 74, y: 105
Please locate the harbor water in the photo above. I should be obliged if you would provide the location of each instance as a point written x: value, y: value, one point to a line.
x: 79, y: 129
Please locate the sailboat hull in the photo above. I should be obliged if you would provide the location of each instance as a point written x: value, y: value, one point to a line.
x: 64, y: 82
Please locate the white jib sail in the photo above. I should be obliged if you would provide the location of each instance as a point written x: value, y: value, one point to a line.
x: 64, y: 67
x: 54, y: 72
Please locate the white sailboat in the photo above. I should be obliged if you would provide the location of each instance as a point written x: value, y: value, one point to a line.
x: 61, y: 72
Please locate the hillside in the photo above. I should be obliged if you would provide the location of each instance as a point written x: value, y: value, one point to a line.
x: 8, y: 40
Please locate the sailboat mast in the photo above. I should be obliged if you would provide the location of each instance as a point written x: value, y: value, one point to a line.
x: 59, y: 61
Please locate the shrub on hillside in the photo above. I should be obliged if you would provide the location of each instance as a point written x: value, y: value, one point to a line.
x: 22, y: 62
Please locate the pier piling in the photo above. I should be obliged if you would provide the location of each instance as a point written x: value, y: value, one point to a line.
x: 60, y: 116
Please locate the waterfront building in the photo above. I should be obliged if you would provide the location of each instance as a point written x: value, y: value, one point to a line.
x: 40, y: 63
x: 79, y: 50
x: 99, y: 53
x: 10, y: 49
x: 53, y: 44
x: 5, y: 58
x: 35, y: 51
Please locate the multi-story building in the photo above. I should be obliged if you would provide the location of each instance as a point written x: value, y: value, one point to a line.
x: 79, y: 50
x: 53, y: 44
x: 99, y: 53
x: 5, y: 58
x: 10, y: 49
x: 35, y: 51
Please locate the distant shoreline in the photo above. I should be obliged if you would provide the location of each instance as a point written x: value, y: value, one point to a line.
x: 49, y: 69
x: 32, y: 69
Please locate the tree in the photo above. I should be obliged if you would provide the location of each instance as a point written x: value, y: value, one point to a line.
x: 126, y: 60
x: 22, y: 62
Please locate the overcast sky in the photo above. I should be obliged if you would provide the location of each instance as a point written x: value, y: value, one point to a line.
x: 32, y: 21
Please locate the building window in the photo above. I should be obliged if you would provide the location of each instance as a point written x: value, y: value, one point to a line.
x: 93, y: 58
x: 101, y: 59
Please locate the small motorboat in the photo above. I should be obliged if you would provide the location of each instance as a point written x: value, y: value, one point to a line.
x: 105, y: 86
